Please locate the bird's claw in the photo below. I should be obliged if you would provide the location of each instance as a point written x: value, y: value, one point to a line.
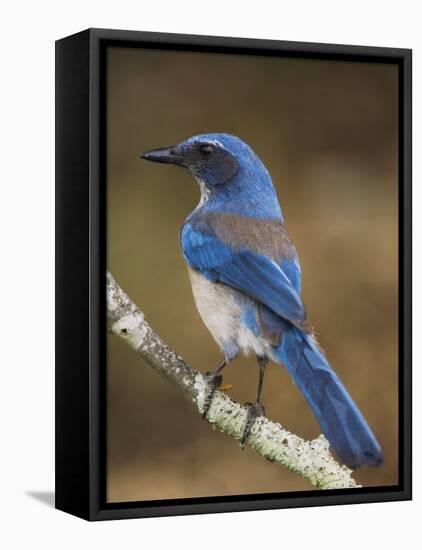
x: 213, y: 382
x: 254, y: 411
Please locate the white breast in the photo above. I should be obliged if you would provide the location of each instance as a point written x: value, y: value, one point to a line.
x: 221, y: 309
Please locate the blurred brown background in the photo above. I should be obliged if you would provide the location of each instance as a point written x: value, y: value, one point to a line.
x: 327, y: 132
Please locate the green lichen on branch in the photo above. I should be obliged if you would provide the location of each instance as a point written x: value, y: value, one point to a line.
x: 310, y: 459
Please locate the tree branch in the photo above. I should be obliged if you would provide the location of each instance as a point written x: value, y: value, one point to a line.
x: 310, y: 459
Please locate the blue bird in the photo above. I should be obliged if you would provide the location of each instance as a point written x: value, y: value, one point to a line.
x: 246, y: 282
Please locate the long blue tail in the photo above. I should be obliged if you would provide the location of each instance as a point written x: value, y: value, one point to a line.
x: 339, y: 418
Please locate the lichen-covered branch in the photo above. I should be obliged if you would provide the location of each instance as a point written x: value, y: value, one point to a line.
x: 310, y: 459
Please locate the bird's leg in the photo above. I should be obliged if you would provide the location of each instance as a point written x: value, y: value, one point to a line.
x: 214, y: 380
x: 255, y: 409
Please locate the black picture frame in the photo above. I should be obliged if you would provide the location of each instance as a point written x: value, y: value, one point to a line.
x: 81, y: 268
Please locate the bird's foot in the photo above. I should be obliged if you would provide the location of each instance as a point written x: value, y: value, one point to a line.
x: 254, y: 411
x: 225, y: 387
x: 213, y: 382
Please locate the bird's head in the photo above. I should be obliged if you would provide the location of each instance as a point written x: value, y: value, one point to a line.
x: 225, y: 167
x: 212, y: 158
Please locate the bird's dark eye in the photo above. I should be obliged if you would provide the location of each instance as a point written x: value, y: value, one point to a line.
x: 205, y: 150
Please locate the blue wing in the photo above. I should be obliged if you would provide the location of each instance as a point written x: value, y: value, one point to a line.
x: 255, y: 275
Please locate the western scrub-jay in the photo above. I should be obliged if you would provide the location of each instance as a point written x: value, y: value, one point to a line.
x: 246, y: 282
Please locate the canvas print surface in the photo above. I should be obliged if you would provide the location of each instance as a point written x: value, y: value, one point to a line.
x: 283, y: 174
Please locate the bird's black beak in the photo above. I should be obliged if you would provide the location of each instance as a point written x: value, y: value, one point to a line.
x: 166, y: 155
